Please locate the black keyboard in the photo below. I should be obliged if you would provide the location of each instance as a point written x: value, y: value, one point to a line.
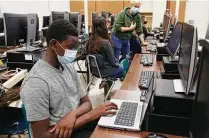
x: 145, y: 79
x: 151, y: 47
x: 126, y: 114
x: 146, y: 59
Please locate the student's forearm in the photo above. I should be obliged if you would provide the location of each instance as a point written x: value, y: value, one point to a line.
x: 83, y: 120
x: 141, y: 38
x: 125, y: 29
x: 83, y: 109
x: 43, y: 134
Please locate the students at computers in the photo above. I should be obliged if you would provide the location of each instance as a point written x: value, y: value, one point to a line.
x: 55, y: 100
x: 146, y: 31
x: 127, y: 21
x: 100, y: 44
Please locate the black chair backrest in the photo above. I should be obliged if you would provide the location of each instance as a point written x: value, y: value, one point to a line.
x: 99, y: 59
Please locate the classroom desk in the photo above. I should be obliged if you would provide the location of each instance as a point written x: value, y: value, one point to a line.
x: 129, y: 91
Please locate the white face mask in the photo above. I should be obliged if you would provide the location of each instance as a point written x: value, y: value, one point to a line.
x: 69, y: 56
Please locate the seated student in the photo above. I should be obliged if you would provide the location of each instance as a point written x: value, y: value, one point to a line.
x: 100, y: 43
x: 146, y: 31
x: 55, y: 100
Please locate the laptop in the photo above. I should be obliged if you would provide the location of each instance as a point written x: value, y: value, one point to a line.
x: 128, y: 116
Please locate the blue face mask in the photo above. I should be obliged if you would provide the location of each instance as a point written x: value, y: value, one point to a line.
x: 69, y: 56
x: 135, y: 10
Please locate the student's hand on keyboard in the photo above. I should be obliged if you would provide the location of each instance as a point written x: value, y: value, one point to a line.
x: 145, y: 44
x: 64, y: 128
x: 103, y: 110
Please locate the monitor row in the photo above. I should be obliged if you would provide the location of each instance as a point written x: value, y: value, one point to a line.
x: 23, y: 28
x: 183, y: 43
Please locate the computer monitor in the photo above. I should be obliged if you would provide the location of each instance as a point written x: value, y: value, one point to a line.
x: 166, y: 27
x: 82, y: 18
x: 93, y: 16
x: 1, y: 25
x: 187, y: 59
x: 79, y: 24
x: 175, y: 21
x: 174, y: 41
x: 104, y: 14
x: 32, y: 20
x: 73, y: 18
x: 207, y: 33
x: 56, y: 15
x: 112, y: 20
x: 200, y: 118
x: 46, y: 21
x: 15, y: 28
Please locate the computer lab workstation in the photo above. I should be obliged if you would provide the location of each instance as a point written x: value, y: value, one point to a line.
x: 164, y: 93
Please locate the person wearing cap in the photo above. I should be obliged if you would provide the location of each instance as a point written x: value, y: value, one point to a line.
x: 127, y: 22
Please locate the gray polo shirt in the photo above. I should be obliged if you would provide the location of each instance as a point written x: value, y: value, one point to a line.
x: 51, y: 93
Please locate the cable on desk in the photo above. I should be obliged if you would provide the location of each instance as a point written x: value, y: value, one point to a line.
x: 9, y: 93
x: 11, y: 73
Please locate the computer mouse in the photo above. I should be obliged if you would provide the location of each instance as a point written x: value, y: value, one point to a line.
x: 153, y: 135
x: 146, y: 63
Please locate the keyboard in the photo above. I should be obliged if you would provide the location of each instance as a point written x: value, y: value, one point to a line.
x: 28, y: 49
x: 149, y: 38
x: 151, y: 47
x: 146, y: 59
x: 145, y: 79
x: 126, y: 114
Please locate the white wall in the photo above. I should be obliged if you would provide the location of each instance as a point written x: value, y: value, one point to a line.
x: 159, y: 7
x: 198, y: 10
x: 146, y: 6
x: 41, y: 7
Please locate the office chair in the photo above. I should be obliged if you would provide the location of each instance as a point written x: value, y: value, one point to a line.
x: 81, y: 55
x: 12, y: 122
x: 28, y: 125
x: 94, y: 62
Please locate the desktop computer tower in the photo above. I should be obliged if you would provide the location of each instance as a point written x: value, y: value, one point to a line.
x: 170, y: 112
x: 23, y: 60
x: 170, y: 66
x: 161, y: 52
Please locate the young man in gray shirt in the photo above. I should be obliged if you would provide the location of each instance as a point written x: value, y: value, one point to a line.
x: 55, y: 100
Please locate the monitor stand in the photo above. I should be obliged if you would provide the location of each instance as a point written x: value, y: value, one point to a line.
x: 175, y: 59
x: 178, y: 86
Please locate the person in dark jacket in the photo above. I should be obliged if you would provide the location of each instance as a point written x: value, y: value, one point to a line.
x: 126, y: 22
x: 100, y: 43
x: 146, y: 31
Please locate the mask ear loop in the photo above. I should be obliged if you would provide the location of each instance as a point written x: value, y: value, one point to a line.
x: 58, y: 44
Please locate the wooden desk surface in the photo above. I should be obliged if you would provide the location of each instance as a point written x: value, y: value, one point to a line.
x: 129, y: 91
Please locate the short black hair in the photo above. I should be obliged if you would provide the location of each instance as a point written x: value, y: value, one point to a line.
x: 60, y: 30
